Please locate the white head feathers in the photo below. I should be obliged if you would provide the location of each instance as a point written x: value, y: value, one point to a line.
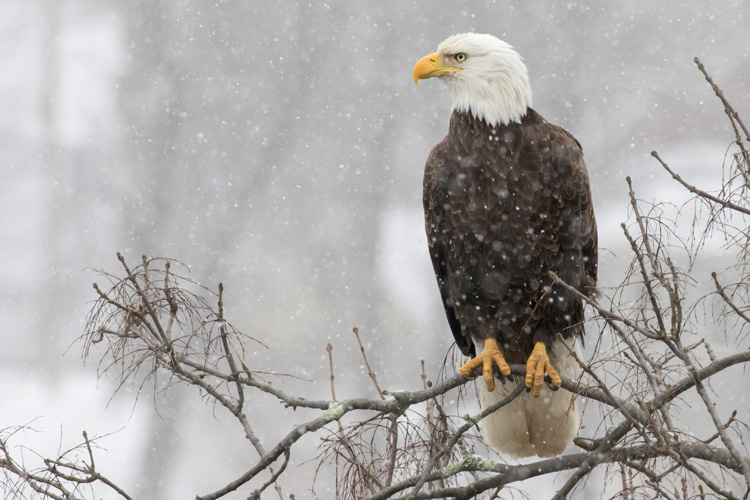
x: 493, y: 83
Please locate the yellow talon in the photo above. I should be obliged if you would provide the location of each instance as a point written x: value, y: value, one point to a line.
x: 537, y: 364
x: 490, y: 354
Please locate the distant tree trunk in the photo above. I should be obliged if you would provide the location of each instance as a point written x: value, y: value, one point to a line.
x: 50, y: 194
x: 150, y: 95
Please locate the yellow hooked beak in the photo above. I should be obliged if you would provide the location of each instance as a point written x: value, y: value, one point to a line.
x: 430, y: 66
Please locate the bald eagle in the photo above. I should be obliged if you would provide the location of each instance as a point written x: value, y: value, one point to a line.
x: 506, y: 200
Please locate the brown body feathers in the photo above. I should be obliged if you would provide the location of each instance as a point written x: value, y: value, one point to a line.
x: 504, y: 205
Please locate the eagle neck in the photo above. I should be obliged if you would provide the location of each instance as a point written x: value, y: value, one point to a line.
x: 462, y: 120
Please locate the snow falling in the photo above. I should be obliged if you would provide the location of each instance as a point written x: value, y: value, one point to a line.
x: 278, y: 147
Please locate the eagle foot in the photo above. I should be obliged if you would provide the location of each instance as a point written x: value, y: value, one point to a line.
x: 491, y: 354
x: 537, y: 364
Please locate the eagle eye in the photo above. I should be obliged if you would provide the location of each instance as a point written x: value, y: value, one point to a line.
x: 460, y: 57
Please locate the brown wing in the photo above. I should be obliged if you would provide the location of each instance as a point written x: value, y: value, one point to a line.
x: 573, y: 253
x: 435, y: 201
x: 578, y: 231
x: 577, y: 260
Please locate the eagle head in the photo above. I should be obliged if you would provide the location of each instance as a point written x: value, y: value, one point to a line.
x: 486, y: 77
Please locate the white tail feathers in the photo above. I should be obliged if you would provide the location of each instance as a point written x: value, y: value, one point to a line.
x: 528, y: 426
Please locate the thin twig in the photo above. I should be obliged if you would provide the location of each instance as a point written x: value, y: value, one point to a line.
x: 711, y: 409
x: 367, y: 364
x: 720, y: 291
x: 371, y: 482
x: 699, y: 192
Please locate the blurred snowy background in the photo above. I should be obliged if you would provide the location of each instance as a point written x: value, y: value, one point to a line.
x: 278, y: 147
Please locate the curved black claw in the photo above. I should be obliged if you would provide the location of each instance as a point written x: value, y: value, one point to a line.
x: 499, y: 376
